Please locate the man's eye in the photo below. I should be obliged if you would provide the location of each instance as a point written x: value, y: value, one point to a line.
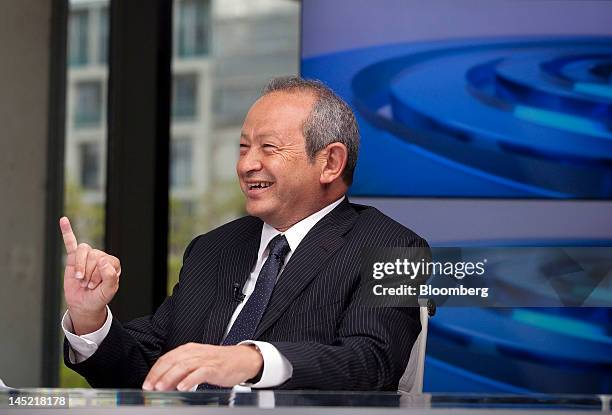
x: 269, y: 146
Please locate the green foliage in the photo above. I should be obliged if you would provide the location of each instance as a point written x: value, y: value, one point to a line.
x: 191, y: 218
x: 71, y: 379
x: 87, y: 216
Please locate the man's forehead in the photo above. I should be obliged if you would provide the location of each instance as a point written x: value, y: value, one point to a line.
x: 271, y: 127
x: 291, y: 101
x: 275, y: 113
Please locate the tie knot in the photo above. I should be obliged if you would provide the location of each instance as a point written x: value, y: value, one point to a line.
x: 279, y: 247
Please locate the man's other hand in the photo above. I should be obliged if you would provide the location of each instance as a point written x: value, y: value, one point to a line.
x: 192, y: 364
x: 91, y: 279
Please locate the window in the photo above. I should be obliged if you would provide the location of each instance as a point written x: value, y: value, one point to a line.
x: 89, y: 168
x: 193, y: 28
x: 184, y: 96
x: 103, y: 36
x: 85, y: 148
x: 252, y: 42
x: 231, y: 103
x: 180, y: 163
x: 88, y: 104
x: 78, y: 38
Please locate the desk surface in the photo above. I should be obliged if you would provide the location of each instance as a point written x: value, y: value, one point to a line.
x: 297, y: 402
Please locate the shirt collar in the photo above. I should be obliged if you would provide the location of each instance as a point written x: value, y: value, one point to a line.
x: 297, y: 232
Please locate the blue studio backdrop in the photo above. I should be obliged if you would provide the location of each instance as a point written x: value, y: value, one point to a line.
x: 482, y: 99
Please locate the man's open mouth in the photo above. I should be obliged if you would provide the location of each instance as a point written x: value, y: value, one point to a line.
x: 259, y: 185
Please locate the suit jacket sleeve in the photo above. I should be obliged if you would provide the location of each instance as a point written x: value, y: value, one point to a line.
x: 128, y: 352
x: 370, y: 352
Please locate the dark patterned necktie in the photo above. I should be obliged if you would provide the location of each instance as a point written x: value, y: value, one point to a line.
x: 247, y: 321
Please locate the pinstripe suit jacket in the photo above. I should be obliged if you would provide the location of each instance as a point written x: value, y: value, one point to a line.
x: 314, y: 317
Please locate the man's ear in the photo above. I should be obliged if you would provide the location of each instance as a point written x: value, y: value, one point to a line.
x: 334, y: 158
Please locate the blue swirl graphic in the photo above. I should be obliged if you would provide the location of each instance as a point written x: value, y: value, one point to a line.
x: 528, y: 117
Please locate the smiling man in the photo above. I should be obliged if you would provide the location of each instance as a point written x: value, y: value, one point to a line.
x: 283, y: 178
x: 270, y: 300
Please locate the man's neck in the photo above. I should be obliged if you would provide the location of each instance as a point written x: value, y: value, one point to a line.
x: 313, y: 211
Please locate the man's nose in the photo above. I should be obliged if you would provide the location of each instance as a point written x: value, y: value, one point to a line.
x: 250, y: 161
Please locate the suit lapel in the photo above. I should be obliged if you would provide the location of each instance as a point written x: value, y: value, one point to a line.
x: 235, y: 265
x: 316, y: 248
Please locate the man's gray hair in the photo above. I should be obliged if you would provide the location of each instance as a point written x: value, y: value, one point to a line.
x: 330, y: 121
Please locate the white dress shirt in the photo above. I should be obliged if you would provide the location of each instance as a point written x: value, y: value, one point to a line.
x: 276, y: 369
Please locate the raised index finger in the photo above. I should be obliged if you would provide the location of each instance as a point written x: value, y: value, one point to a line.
x: 69, y: 239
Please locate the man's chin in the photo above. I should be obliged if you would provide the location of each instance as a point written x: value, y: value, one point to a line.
x: 259, y: 210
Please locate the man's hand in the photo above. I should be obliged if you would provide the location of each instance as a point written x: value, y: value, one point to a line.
x: 193, y: 363
x: 91, y: 279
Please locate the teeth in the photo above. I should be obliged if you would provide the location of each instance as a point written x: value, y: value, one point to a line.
x: 260, y: 185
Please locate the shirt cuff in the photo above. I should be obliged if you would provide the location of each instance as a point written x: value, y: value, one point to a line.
x: 83, y: 347
x: 276, y: 368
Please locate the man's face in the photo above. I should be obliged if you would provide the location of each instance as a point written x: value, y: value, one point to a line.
x: 280, y: 184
